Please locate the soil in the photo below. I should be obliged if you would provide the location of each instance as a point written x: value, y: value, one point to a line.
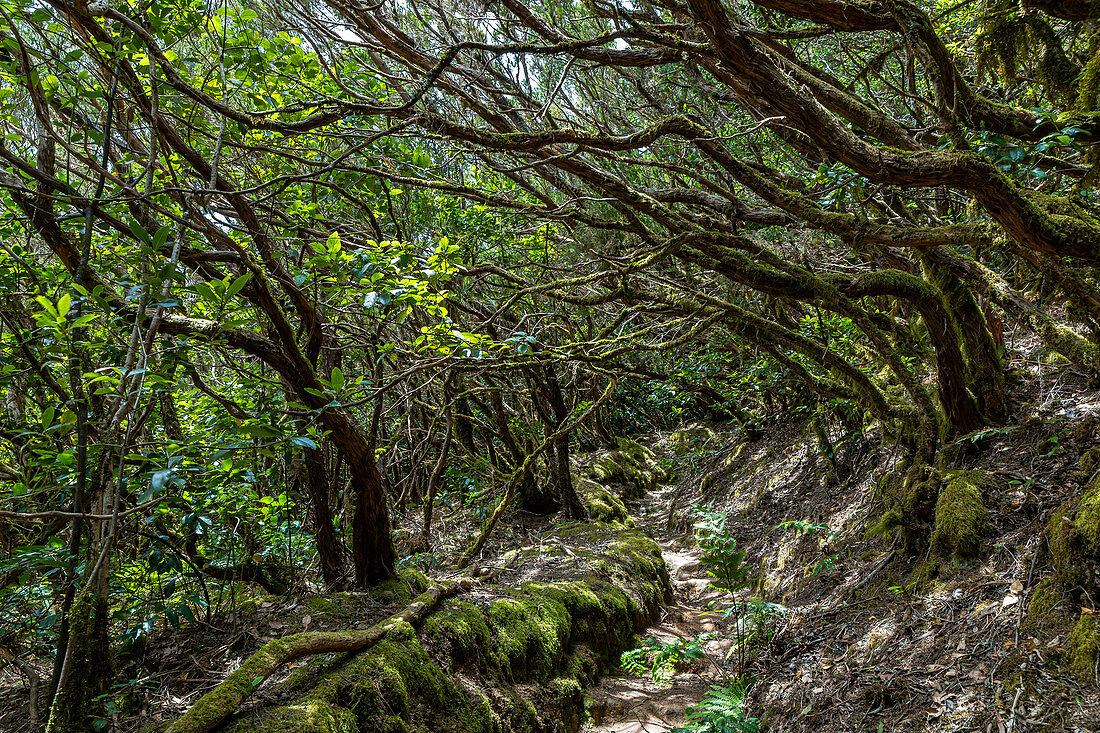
x: 873, y: 637
x: 627, y: 703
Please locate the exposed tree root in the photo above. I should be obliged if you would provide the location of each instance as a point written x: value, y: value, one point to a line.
x: 218, y: 704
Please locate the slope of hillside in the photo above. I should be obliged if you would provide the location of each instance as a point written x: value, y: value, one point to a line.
x: 976, y: 616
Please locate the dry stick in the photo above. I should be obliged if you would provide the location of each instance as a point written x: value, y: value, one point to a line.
x: 523, y: 469
x: 218, y: 704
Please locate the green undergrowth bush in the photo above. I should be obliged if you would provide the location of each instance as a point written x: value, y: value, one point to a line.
x: 721, y: 710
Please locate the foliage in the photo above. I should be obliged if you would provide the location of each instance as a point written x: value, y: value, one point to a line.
x: 720, y: 711
x: 266, y: 281
x: 725, y: 563
x: 661, y: 660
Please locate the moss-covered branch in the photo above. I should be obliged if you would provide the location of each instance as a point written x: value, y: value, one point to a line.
x: 218, y: 704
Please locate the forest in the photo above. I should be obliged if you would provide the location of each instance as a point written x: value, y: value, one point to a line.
x: 531, y: 366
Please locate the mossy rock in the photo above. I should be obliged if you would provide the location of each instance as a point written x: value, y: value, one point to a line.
x: 504, y: 658
x: 961, y: 518
x: 1082, y: 648
x: 1089, y: 464
x: 630, y: 470
x: 1087, y: 521
x: 1073, y: 539
x: 690, y: 438
x: 1046, y: 611
x: 602, y: 503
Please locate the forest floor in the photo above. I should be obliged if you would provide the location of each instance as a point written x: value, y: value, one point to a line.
x: 627, y: 703
x: 862, y: 635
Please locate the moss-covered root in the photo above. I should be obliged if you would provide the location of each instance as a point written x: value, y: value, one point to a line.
x: 218, y: 704
x: 507, y: 659
x: 961, y: 518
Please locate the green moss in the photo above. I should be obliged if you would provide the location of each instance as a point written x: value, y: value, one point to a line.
x: 1089, y: 464
x: 393, y: 687
x: 1045, y: 608
x: 402, y: 589
x: 1082, y: 648
x: 690, y: 438
x: 886, y: 525
x: 961, y: 518
x: 1073, y: 536
x: 631, y: 469
x: 502, y: 659
x: 461, y: 629
x: 1065, y: 547
x: 602, y: 504
x: 335, y: 605
x: 531, y: 633
x: 923, y: 574
x: 1089, y: 84
x: 1087, y: 521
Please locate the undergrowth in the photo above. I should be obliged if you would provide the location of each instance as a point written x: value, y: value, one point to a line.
x: 721, y: 709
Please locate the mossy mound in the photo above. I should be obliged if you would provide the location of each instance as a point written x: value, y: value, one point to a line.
x: 690, y: 438
x: 1073, y: 538
x: 961, y: 518
x: 509, y: 657
x: 1083, y: 648
x: 1046, y: 612
x: 602, y: 503
x: 909, y: 496
x: 630, y: 470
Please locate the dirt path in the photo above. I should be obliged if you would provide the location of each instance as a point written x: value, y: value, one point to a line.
x: 633, y: 704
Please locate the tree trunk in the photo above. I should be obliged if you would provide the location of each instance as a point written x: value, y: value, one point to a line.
x: 371, y: 544
x: 329, y: 550
x: 567, y: 493
x: 985, y: 375
x: 85, y: 670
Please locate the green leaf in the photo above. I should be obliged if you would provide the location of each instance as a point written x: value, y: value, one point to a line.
x: 160, y: 479
x: 337, y: 379
x: 139, y: 233
x: 238, y: 284
x: 63, y: 305
x: 161, y: 237
x: 206, y: 293
x: 47, y: 305
x: 304, y: 442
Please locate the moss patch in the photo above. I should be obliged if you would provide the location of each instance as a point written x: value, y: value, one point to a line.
x: 1073, y: 538
x: 602, y: 504
x: 630, y: 469
x: 961, y: 518
x: 499, y: 659
x: 690, y: 438
x: 1082, y: 648
x: 1046, y: 612
x: 1087, y: 521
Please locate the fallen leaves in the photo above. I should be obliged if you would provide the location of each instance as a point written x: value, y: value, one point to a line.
x: 1013, y: 596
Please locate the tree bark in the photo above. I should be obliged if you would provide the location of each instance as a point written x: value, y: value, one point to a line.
x: 330, y: 552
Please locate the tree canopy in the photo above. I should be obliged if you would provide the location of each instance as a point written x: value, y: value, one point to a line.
x: 273, y: 274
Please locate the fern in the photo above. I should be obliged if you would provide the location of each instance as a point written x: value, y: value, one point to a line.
x: 661, y: 660
x: 725, y: 563
x: 721, y: 711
